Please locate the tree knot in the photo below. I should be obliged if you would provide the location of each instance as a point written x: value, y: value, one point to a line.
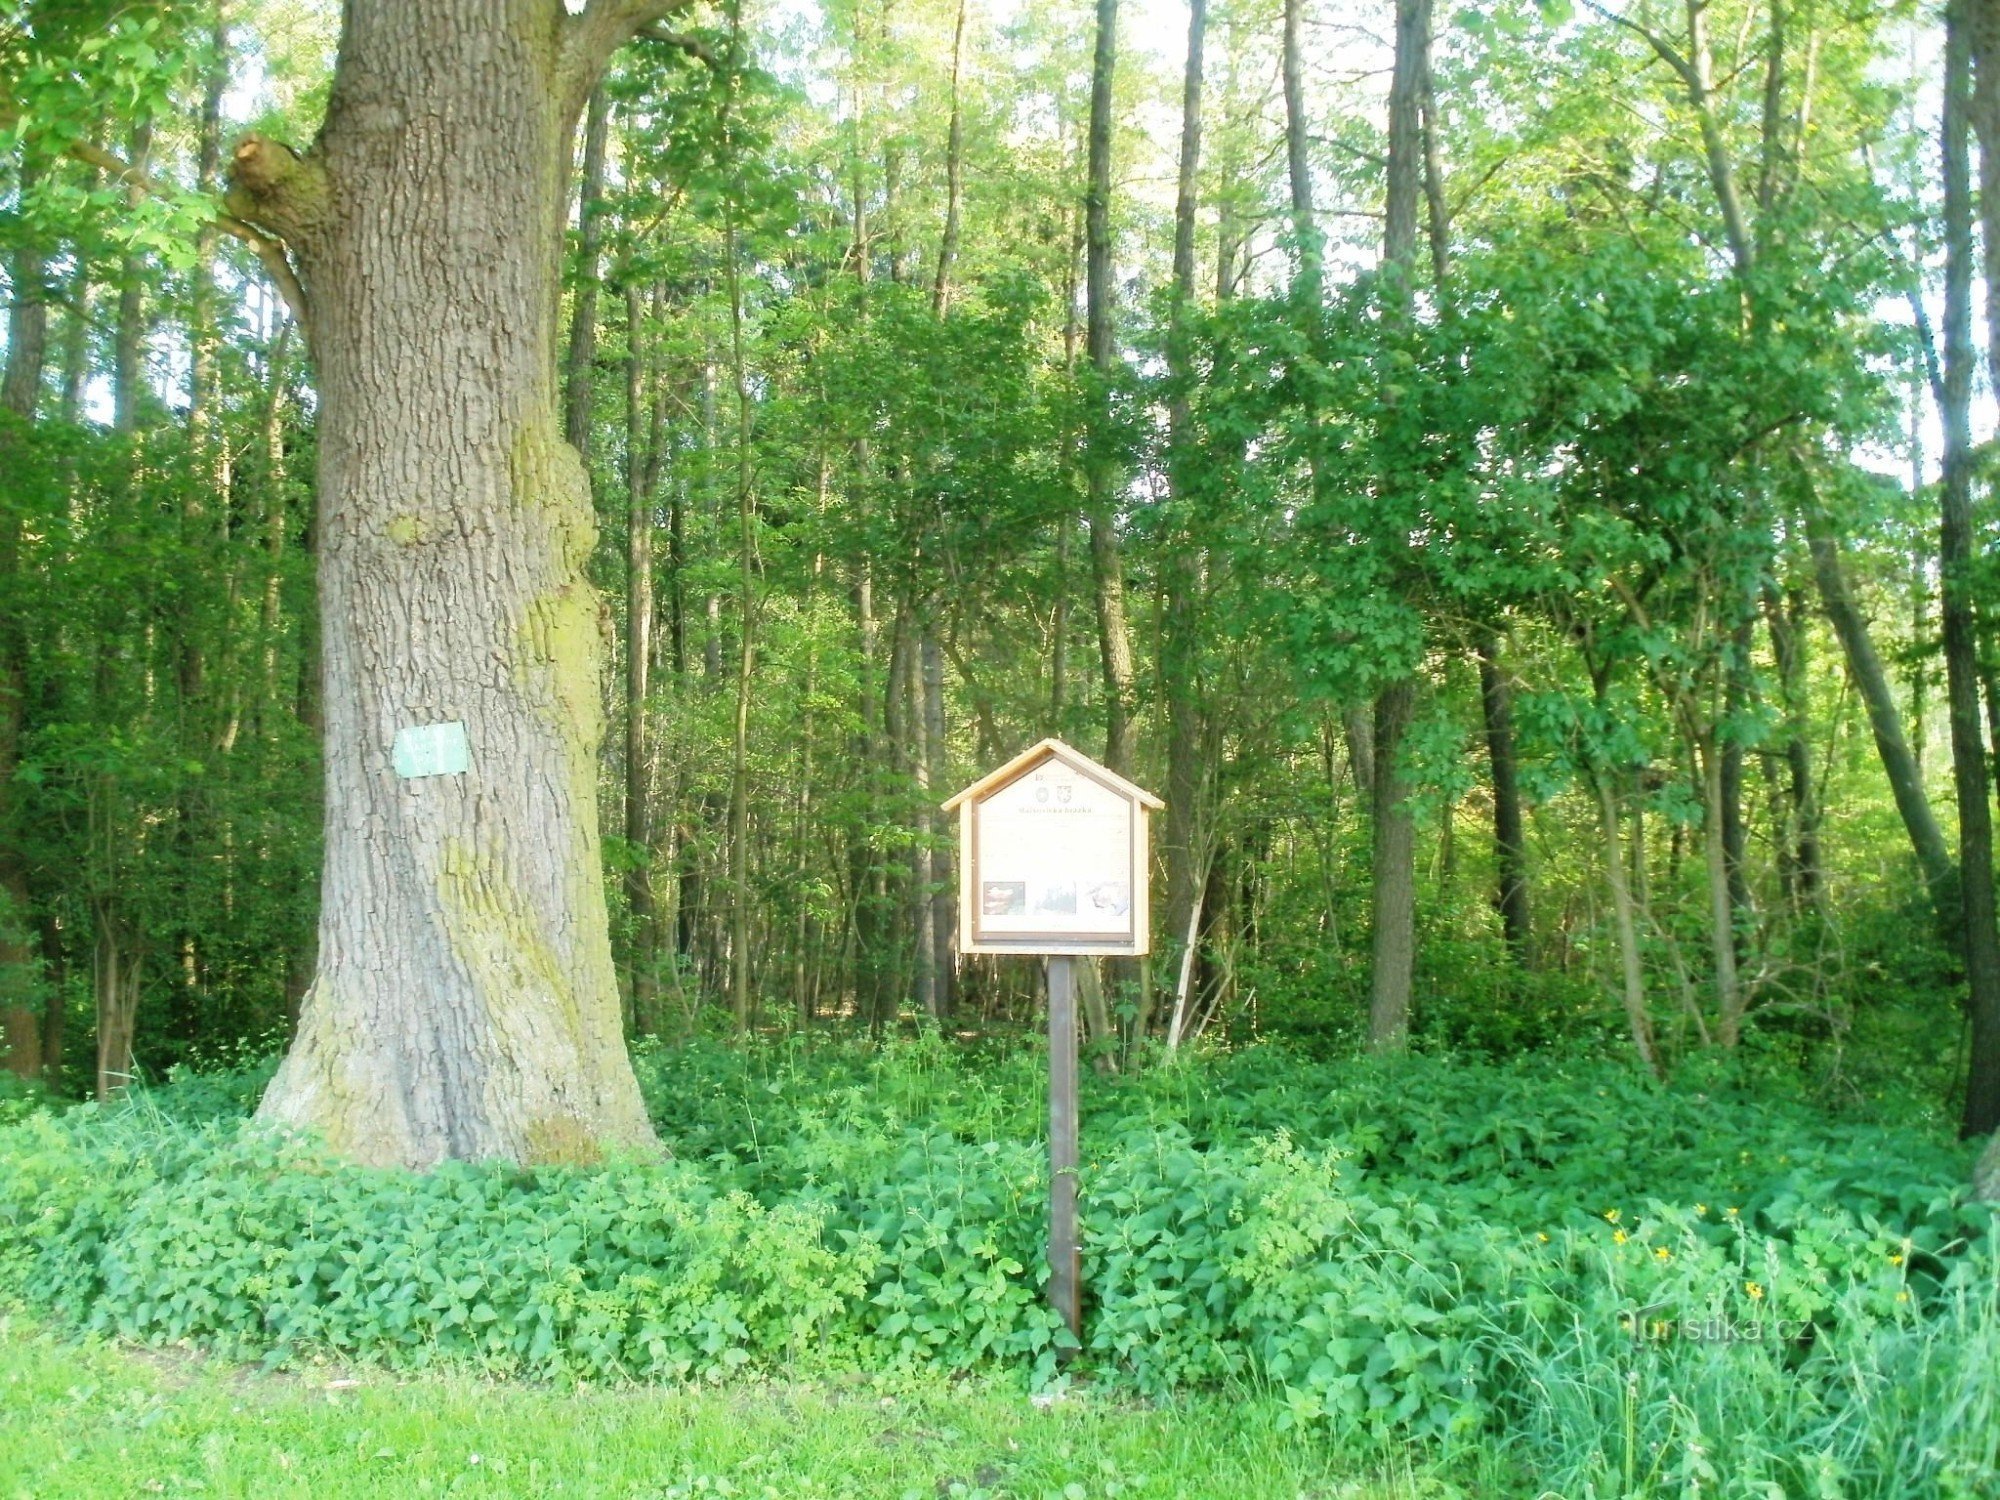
x: 275, y: 188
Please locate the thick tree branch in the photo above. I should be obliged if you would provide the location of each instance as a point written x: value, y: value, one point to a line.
x: 270, y: 251
x: 694, y: 46
x: 590, y: 37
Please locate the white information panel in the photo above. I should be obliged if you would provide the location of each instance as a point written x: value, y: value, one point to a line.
x: 1053, y: 857
x: 1054, y: 854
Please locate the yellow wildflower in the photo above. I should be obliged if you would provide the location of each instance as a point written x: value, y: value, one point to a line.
x: 1756, y: 1292
x: 1700, y: 1209
x: 1611, y: 1216
x: 1620, y: 1237
x: 1902, y: 1296
x: 1729, y: 1213
x: 1663, y: 1253
x: 1541, y: 1236
x: 1895, y: 1260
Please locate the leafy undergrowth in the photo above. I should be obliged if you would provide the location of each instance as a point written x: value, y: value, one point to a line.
x: 1618, y: 1288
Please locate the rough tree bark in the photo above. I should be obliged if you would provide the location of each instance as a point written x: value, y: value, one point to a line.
x: 465, y: 1003
x: 1955, y: 560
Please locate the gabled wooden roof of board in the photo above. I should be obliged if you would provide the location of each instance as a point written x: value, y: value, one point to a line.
x: 1042, y: 750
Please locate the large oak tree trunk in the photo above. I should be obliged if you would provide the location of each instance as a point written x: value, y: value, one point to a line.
x: 465, y: 1003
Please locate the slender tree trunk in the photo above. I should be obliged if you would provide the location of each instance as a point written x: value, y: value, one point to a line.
x: 1510, y: 845
x: 1920, y: 589
x: 578, y: 367
x: 742, y: 1002
x: 943, y: 901
x: 1181, y: 569
x: 74, y: 363
x: 1899, y: 765
x: 55, y: 1015
x: 465, y: 1003
x: 923, y: 860
x: 118, y: 973
x: 1800, y: 831
x: 866, y: 875
x: 20, y: 396
x: 129, y: 332
x: 1956, y: 560
x: 639, y: 896
x: 1101, y: 464
x: 1395, y: 936
x: 1735, y: 835
x: 1065, y: 523
x: 900, y: 701
x: 1406, y: 140
x: 1298, y: 162
x: 1632, y: 972
x: 272, y: 477
x: 954, y: 175
x: 1982, y: 32
x: 1698, y: 76
x: 1438, y: 212
x: 1722, y: 927
x: 1392, y: 977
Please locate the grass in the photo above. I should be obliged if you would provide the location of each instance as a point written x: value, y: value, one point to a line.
x: 93, y: 1419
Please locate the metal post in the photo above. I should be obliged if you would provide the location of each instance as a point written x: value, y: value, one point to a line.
x: 1065, y: 1255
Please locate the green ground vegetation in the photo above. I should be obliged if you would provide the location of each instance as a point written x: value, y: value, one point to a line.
x: 93, y: 1420
x: 1560, y: 1276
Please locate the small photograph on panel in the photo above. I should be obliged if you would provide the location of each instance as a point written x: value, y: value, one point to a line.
x: 1004, y: 898
x: 1111, y: 898
x: 1057, y: 899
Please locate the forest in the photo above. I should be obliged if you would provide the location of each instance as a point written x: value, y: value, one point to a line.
x: 1517, y: 480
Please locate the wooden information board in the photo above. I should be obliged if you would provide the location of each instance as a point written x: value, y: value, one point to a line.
x: 1054, y: 857
x: 1053, y: 861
